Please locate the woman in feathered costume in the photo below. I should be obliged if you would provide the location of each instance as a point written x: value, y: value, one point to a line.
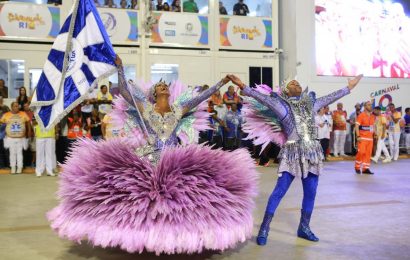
x: 287, y: 118
x: 152, y: 193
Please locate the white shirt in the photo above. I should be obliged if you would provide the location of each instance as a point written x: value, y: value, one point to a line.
x: 221, y: 110
x: 323, y: 132
x: 91, y: 95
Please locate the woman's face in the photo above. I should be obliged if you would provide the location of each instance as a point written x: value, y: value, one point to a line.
x: 162, y: 89
x: 22, y: 91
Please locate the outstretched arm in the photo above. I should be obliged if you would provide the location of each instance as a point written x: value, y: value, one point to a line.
x: 332, y: 97
x: 139, y: 95
x: 186, y: 107
x: 277, y: 105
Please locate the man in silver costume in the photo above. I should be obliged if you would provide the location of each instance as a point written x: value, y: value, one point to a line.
x: 301, y: 156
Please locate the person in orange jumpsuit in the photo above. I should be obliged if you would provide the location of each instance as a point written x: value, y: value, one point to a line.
x: 365, y: 132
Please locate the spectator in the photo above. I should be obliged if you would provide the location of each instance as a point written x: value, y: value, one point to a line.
x: 407, y: 129
x: 110, y: 4
x: 94, y: 125
x: 124, y: 4
x: 166, y: 7
x: 62, y: 142
x: 230, y: 97
x: 4, y: 91
x: 233, y: 121
x: 394, y: 117
x: 176, y: 6
x: 190, y: 6
x: 324, y: 125
x: 22, y: 98
x: 29, y: 155
x: 104, y: 98
x: 45, y: 147
x: 4, y: 162
x: 222, y: 9
x: 134, y: 4
x: 216, y: 133
x: 364, y: 131
x: 17, y: 129
x: 28, y: 111
x: 88, y: 105
x: 159, y: 6
x: 97, y: 3
x: 380, y: 134
x: 352, y: 121
x: 75, y: 127
x: 339, y: 128
x: 55, y: 2
x: 108, y: 130
x: 216, y: 98
x: 240, y: 8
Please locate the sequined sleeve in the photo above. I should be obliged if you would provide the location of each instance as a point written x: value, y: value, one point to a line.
x: 329, y: 99
x: 139, y: 95
x: 190, y: 104
x: 277, y: 105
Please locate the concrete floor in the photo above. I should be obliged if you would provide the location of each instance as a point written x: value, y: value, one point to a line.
x: 356, y: 217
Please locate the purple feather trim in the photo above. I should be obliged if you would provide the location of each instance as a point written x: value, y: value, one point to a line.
x: 261, y: 129
x: 194, y: 199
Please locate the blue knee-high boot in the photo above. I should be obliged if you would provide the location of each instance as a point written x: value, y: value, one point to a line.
x: 282, y: 186
x: 304, y: 229
x: 264, y: 229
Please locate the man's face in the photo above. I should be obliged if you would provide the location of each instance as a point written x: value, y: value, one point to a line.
x: 368, y: 107
x: 357, y: 107
x: 340, y: 106
x: 294, y: 89
x: 15, y: 108
x: 234, y: 107
x: 231, y: 90
x: 104, y: 90
x: 392, y: 108
x: 376, y: 112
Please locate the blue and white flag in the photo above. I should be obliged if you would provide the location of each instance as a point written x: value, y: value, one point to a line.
x: 81, y: 55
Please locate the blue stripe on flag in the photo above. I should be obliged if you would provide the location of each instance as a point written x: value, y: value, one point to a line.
x: 80, y: 21
x: 110, y: 50
x: 45, y: 114
x: 57, y: 59
x: 100, y: 53
x: 71, y: 93
x: 45, y: 91
x: 88, y: 74
x: 66, y: 25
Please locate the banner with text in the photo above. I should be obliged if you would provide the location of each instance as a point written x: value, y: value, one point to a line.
x: 180, y: 30
x: 29, y: 21
x: 120, y: 24
x: 245, y: 33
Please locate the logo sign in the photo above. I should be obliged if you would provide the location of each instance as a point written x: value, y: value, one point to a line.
x: 29, y: 20
x: 250, y: 33
x: 178, y: 28
x: 74, y: 58
x: 110, y: 23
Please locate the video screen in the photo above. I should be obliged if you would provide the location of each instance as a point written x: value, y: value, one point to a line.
x: 363, y: 36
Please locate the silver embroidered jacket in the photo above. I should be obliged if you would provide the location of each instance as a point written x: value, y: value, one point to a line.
x: 302, y: 152
x: 161, y: 129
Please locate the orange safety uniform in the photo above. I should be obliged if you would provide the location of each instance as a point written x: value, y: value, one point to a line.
x: 366, y: 123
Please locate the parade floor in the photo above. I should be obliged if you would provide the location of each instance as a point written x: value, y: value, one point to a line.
x: 356, y: 217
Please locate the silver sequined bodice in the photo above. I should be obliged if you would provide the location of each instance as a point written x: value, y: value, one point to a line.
x: 162, y: 128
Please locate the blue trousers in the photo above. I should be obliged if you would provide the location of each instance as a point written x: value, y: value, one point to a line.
x: 309, y: 192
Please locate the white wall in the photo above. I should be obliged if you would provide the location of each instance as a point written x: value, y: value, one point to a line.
x: 297, y: 40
